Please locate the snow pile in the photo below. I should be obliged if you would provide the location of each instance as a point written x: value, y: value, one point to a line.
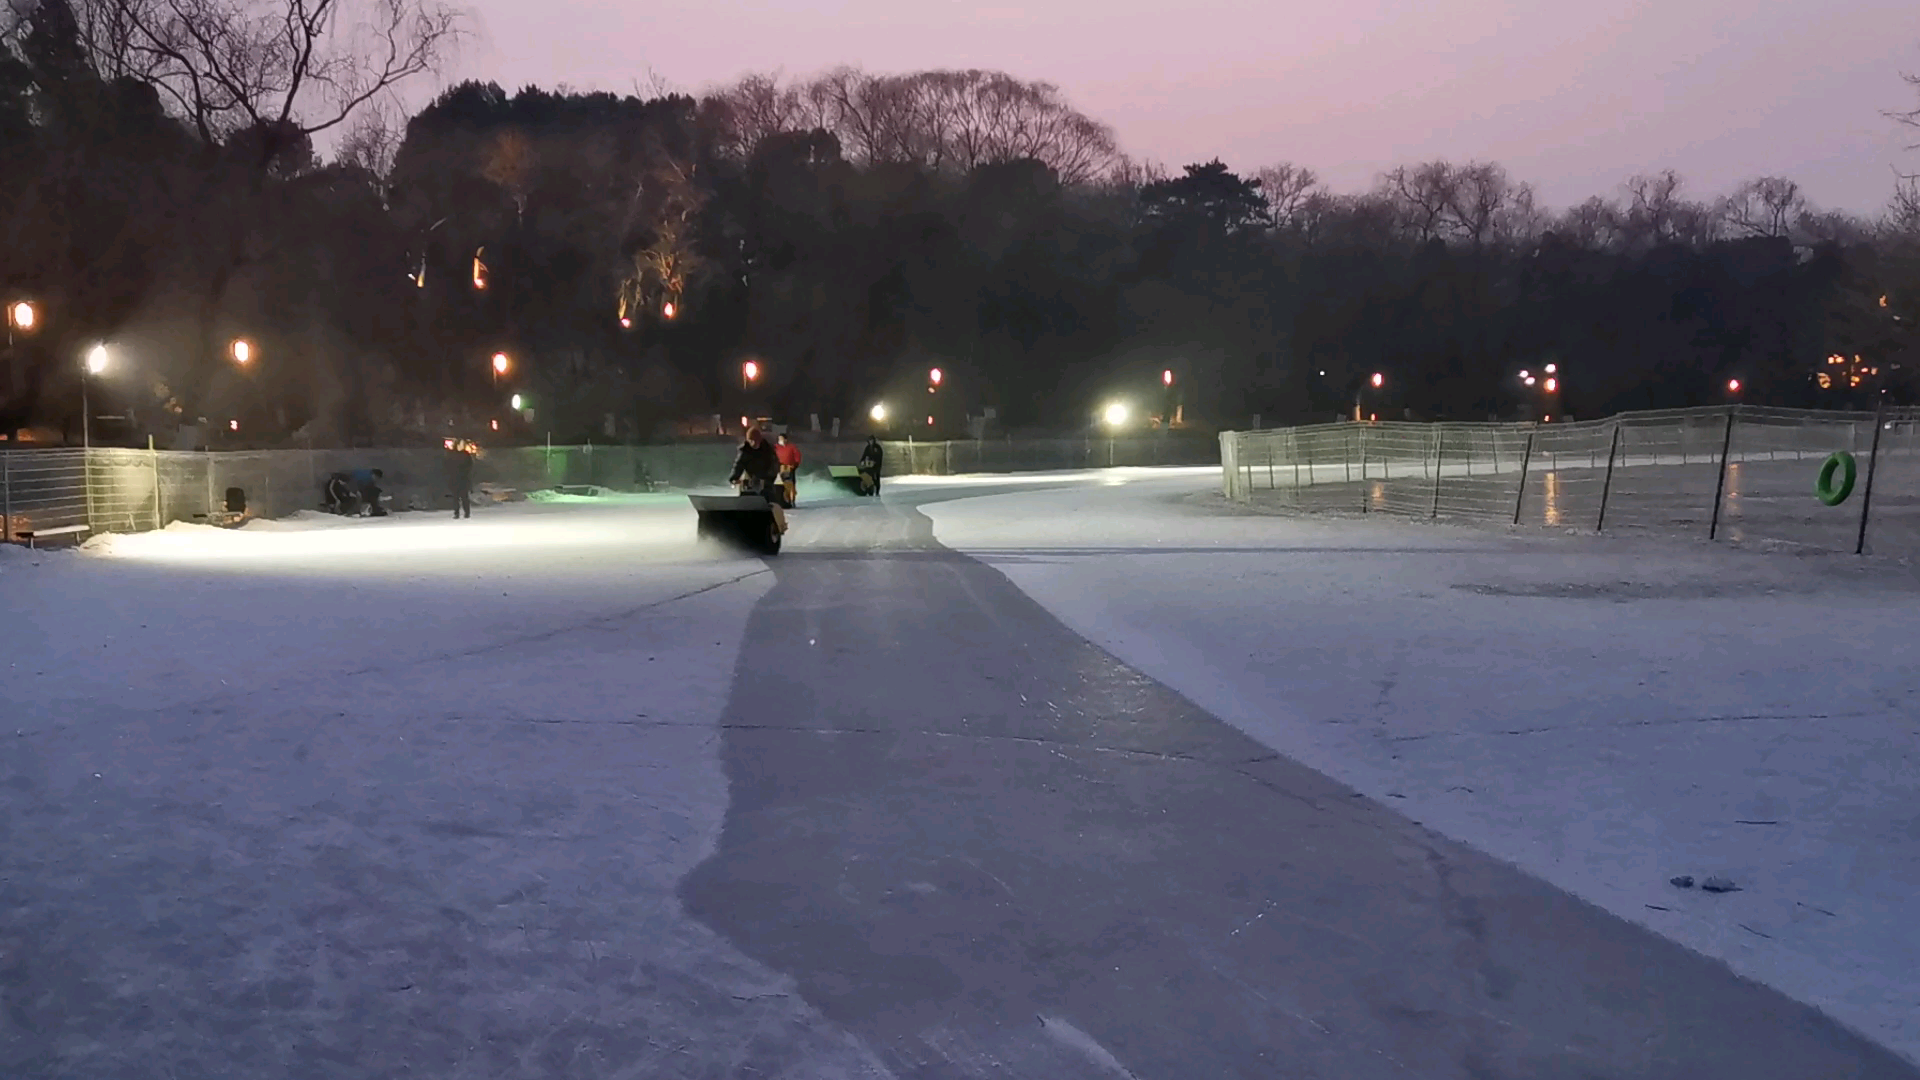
x: 1608, y: 715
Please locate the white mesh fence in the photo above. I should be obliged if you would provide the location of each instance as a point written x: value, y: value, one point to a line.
x: 1742, y: 474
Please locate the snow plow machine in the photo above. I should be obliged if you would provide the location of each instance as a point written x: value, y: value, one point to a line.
x: 748, y: 519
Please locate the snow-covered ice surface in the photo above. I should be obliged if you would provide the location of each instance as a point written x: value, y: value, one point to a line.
x: 401, y: 794
x: 1605, y: 714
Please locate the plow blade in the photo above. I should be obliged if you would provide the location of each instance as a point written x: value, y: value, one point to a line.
x: 845, y: 477
x: 747, y: 520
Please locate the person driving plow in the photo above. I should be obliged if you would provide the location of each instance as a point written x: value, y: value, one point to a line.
x: 756, y: 471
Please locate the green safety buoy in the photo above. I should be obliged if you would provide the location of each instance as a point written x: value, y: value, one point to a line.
x: 1829, y: 492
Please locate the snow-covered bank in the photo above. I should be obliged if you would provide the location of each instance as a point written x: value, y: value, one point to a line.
x: 1605, y: 714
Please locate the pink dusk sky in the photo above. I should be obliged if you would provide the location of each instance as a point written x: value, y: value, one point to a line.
x: 1573, y: 97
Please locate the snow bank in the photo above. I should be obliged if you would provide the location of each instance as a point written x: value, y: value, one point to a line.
x: 1605, y: 714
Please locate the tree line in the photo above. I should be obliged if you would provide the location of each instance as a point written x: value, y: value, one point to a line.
x: 626, y: 265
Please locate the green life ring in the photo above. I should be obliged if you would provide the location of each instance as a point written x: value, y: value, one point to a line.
x: 1828, y: 492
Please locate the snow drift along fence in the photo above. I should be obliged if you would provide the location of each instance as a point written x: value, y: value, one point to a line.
x: 1739, y: 473
x: 119, y: 490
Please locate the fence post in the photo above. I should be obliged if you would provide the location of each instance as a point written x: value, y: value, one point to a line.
x: 1293, y: 451
x: 1720, y: 488
x: 1873, y: 458
x: 1439, y: 456
x: 159, y: 516
x: 207, y: 457
x: 86, y: 480
x: 6, y: 496
x: 1364, y: 498
x: 1526, y: 459
x: 1346, y: 463
x: 1606, y: 486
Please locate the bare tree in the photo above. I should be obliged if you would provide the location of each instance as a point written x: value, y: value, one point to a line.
x: 937, y: 120
x: 1595, y: 225
x: 1288, y: 189
x: 1768, y: 206
x: 295, y: 66
x: 372, y: 139
x: 1422, y: 197
x: 1657, y: 214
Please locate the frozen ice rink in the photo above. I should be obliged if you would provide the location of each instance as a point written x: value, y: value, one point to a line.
x: 1059, y: 775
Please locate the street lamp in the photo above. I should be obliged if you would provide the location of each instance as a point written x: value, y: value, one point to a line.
x: 515, y: 402
x: 21, y: 316
x: 242, y: 351
x: 878, y: 413
x: 934, y: 377
x: 1733, y: 386
x: 1377, y: 381
x: 749, y: 371
x: 1166, y: 377
x: 96, y: 363
x: 1116, y: 414
x: 501, y: 363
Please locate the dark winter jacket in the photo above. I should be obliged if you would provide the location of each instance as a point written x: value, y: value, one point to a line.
x: 755, y: 463
x: 460, y: 470
x: 872, y: 458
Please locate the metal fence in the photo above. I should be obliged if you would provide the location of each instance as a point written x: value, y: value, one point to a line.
x: 1740, y: 474
x: 118, y: 490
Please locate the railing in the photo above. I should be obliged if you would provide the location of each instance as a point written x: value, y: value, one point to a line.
x: 118, y: 490
x: 1742, y: 474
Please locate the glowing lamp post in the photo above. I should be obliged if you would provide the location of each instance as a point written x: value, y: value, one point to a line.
x: 242, y: 351
x: 21, y: 316
x: 97, y: 359
x: 1733, y: 386
x: 749, y: 373
x: 1377, y: 381
x: 934, y: 378
x: 878, y: 413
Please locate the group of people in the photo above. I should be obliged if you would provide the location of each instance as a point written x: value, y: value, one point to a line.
x: 355, y: 493
x: 772, y: 468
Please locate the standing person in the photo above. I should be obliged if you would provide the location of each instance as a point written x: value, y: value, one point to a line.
x: 872, y: 459
x: 460, y: 455
x: 789, y: 456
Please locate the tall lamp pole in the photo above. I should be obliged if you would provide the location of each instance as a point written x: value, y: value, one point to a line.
x: 96, y: 363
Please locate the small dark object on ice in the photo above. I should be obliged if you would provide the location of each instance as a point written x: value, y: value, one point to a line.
x: 1685, y: 881
x: 1719, y: 884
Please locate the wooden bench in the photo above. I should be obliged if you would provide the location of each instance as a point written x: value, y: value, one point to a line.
x: 32, y: 536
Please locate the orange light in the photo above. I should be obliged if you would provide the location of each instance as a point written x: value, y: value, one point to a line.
x: 626, y: 323
x: 929, y: 421
x: 233, y: 425
x: 448, y: 443
x: 751, y: 370
x: 1552, y: 385
x: 1378, y: 379
x: 667, y: 310
x: 1546, y: 419
x: 500, y: 363
x: 1166, y: 378
x: 1733, y: 385
x: 935, y: 376
x: 743, y: 422
x: 495, y: 424
x: 23, y: 315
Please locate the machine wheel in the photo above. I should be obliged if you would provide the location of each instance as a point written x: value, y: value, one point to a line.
x: 772, y: 544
